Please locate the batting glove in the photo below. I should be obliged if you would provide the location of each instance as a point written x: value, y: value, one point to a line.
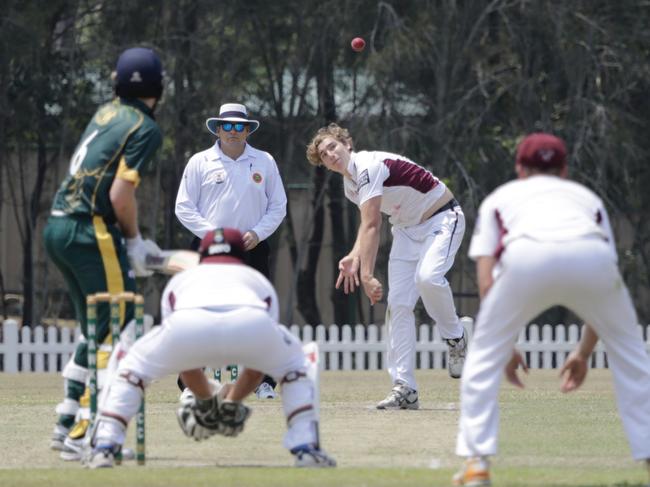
x: 137, y: 250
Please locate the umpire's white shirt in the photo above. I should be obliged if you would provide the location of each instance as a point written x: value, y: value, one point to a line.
x: 246, y: 194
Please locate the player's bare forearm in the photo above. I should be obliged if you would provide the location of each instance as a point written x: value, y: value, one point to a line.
x: 368, y: 237
x: 246, y: 383
x: 575, y: 368
x: 588, y: 341
x: 357, y: 246
x: 125, y: 206
x: 368, y: 248
x: 517, y: 360
x: 197, y: 382
x: 484, y: 267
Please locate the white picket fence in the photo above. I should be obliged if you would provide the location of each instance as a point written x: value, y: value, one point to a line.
x: 358, y: 347
x: 41, y: 348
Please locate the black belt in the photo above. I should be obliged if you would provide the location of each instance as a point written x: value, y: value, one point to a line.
x: 447, y: 206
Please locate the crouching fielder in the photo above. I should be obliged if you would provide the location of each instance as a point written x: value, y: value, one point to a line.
x: 220, y: 312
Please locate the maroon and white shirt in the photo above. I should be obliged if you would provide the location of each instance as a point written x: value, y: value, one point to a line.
x: 542, y: 208
x: 407, y: 189
x: 219, y: 287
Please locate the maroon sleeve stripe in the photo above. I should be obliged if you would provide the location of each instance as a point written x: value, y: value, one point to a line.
x: 502, y: 233
x: 406, y: 173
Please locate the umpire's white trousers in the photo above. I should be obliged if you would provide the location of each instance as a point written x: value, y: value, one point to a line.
x: 582, y: 276
x: 420, y: 257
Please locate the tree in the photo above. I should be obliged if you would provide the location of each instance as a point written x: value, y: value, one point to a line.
x: 38, y: 85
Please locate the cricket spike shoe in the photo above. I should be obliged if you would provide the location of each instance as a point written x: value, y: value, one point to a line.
x: 310, y: 456
x: 265, y: 391
x: 475, y: 472
x: 74, y: 442
x: 400, y: 397
x: 58, y: 437
x: 101, y: 456
x: 456, y: 355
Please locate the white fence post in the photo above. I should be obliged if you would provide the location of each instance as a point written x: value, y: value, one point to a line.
x: 375, y: 347
x: 40, y: 349
x: 9, y: 346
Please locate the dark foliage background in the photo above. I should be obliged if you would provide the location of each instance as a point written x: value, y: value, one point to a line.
x: 453, y: 84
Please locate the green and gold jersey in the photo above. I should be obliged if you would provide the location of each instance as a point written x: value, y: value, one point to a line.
x: 119, y: 141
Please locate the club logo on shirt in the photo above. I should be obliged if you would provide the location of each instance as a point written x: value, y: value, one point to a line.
x: 105, y: 115
x: 217, y: 177
x: 257, y: 177
x: 364, y: 178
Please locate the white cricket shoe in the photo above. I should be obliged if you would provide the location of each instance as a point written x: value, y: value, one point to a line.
x: 72, y: 449
x: 475, y: 472
x: 265, y: 391
x: 309, y: 456
x: 102, y: 456
x: 456, y: 355
x: 400, y: 397
x: 59, y: 435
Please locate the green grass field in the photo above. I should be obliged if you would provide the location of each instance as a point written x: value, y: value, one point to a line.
x: 547, y: 438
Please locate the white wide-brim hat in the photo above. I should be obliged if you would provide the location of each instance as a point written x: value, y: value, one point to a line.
x: 231, y: 112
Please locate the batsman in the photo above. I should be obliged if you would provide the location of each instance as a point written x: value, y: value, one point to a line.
x: 92, y: 234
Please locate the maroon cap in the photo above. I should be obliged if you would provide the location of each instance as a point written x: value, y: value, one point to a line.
x: 222, y: 245
x: 542, y: 151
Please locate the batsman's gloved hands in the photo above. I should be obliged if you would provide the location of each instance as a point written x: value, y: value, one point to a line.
x: 137, y: 250
x: 233, y: 416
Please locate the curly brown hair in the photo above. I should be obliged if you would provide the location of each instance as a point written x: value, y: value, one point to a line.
x: 332, y: 130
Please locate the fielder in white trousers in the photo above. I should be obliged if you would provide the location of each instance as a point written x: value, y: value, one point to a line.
x: 220, y: 312
x: 583, y: 277
x: 542, y: 241
x: 195, y: 338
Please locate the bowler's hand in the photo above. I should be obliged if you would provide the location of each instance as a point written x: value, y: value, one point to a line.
x: 348, y: 274
x: 573, y: 372
x: 510, y: 370
x: 250, y: 240
x: 373, y: 289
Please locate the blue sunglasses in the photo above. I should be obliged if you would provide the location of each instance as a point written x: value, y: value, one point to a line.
x: 228, y: 126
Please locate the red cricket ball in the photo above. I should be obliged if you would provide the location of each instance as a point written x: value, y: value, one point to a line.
x: 358, y: 44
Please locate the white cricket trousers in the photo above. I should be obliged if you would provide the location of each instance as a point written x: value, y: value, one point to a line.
x: 420, y: 257
x: 195, y: 338
x: 582, y: 276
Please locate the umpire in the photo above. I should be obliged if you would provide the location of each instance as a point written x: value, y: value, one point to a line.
x: 232, y: 184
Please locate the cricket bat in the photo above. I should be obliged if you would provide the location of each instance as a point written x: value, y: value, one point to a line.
x: 172, y: 261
